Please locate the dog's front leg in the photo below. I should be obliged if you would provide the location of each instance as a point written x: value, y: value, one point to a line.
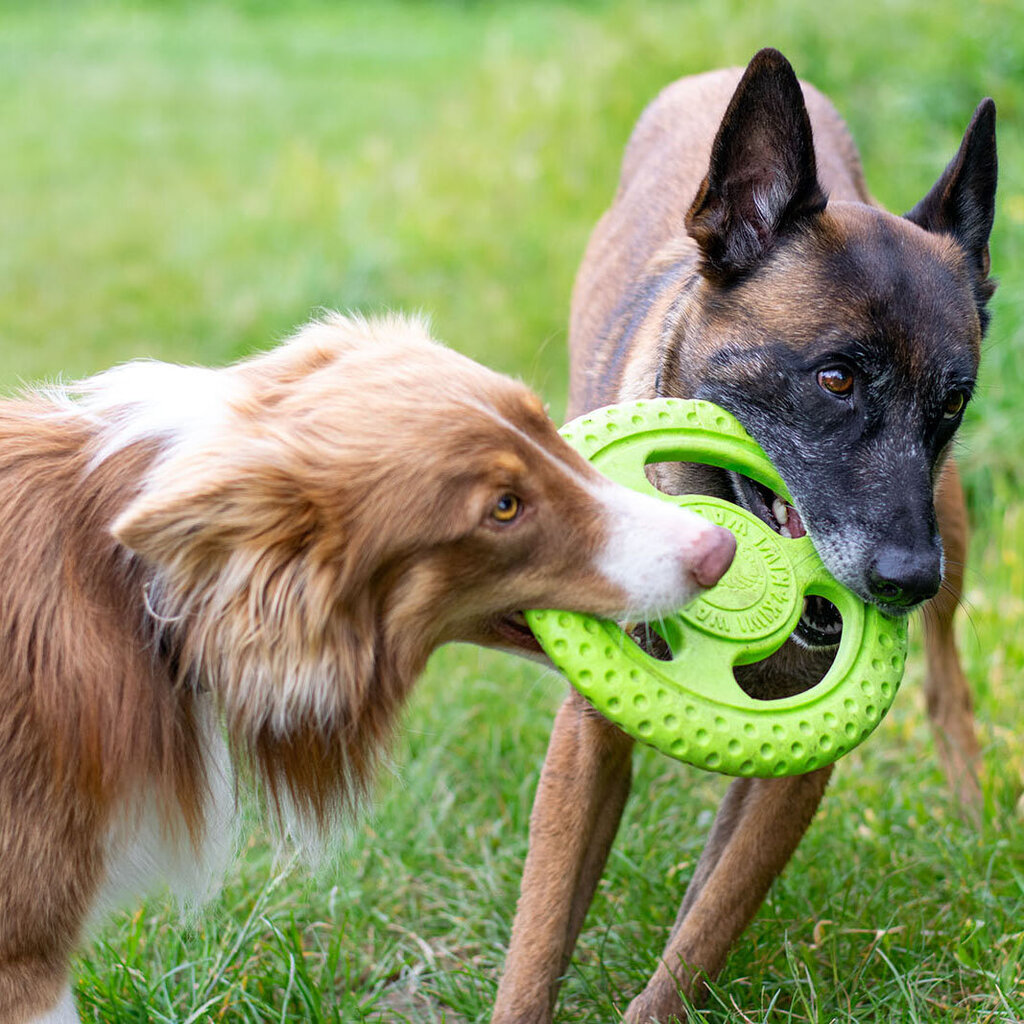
x: 580, y: 796
x: 947, y: 693
x: 757, y: 828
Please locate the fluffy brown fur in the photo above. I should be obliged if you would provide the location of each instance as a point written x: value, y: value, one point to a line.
x: 273, y: 548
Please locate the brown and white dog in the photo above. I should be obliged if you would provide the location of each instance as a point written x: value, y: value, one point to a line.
x: 267, y: 553
x: 744, y: 261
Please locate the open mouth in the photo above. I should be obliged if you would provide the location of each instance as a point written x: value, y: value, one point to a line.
x: 820, y: 624
x: 516, y: 633
x: 778, y: 513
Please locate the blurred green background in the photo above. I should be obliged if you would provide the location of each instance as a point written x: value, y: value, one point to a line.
x: 189, y: 181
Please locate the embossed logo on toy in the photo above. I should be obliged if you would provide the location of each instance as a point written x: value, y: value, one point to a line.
x: 757, y: 594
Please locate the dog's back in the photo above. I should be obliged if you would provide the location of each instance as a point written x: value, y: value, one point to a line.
x: 85, y: 709
x: 77, y: 666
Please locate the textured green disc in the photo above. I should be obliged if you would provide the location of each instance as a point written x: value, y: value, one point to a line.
x: 691, y: 707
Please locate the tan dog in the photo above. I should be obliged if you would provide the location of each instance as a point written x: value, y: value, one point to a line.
x: 743, y: 261
x: 273, y: 548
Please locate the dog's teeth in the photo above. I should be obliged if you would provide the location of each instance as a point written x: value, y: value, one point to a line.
x: 781, y: 511
x: 784, y: 532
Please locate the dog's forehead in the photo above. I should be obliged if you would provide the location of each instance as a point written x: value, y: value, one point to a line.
x: 521, y: 418
x: 896, y: 265
x: 494, y: 423
x: 905, y: 283
x: 521, y: 408
x: 527, y: 451
x: 862, y: 275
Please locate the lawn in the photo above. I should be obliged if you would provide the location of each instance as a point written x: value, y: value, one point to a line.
x: 189, y: 181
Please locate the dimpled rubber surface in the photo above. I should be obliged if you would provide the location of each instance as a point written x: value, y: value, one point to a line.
x: 691, y: 706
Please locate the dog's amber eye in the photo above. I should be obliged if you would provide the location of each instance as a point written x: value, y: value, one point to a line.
x: 836, y: 380
x: 506, y: 508
x: 954, y: 405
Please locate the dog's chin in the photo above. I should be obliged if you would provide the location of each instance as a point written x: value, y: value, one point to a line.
x: 820, y: 625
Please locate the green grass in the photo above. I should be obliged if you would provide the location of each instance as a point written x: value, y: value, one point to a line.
x: 189, y: 181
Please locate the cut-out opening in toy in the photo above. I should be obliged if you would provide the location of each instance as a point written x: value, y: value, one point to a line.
x: 649, y: 637
x: 780, y: 674
x: 669, y: 477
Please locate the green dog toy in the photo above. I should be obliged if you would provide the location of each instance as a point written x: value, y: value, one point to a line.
x: 691, y: 707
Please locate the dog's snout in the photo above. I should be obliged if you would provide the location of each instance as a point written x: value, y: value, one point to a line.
x: 716, y: 550
x: 903, y: 578
x: 658, y: 554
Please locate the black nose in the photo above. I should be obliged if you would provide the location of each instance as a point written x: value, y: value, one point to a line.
x: 903, y: 577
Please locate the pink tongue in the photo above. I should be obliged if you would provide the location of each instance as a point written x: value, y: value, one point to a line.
x: 795, y: 523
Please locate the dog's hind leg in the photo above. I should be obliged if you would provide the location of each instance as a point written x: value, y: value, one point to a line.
x: 51, y: 859
x: 35, y: 990
x: 580, y: 797
x: 947, y: 693
x: 757, y: 828
x: 63, y: 1013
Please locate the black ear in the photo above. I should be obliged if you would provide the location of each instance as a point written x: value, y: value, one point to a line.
x: 962, y: 202
x: 762, y: 178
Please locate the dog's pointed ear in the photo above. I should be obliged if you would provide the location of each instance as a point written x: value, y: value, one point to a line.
x: 762, y: 179
x: 962, y: 202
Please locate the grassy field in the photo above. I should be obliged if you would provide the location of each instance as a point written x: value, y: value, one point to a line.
x: 189, y: 181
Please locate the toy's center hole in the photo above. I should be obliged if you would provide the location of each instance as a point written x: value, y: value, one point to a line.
x: 818, y: 632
